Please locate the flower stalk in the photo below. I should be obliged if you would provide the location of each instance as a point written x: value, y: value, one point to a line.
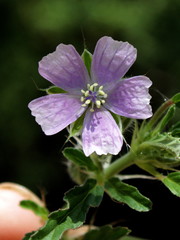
x: 119, y: 165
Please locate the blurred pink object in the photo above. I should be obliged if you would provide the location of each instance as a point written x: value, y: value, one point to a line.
x: 16, y: 221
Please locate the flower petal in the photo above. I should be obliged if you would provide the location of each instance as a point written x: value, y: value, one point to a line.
x: 56, y: 111
x: 111, y: 60
x: 130, y: 98
x: 101, y: 133
x: 64, y: 68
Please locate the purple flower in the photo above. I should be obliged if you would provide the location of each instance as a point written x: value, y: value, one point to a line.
x: 96, y: 94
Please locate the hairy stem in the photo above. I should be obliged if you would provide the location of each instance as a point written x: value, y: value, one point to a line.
x: 119, y: 165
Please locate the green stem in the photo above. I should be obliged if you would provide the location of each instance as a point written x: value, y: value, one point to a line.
x: 158, y: 114
x: 119, y: 165
x: 150, y: 169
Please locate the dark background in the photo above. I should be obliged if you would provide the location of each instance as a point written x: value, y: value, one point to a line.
x: 31, y: 29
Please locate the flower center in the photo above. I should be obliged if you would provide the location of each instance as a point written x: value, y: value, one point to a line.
x: 94, y: 96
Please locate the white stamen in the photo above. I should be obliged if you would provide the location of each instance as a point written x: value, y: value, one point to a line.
x: 91, y: 87
x: 98, y: 103
x: 101, y: 87
x: 87, y: 101
x: 82, y: 91
x: 84, y: 105
x: 86, y: 94
x: 91, y: 110
x: 103, y: 101
x: 102, y: 93
x: 82, y: 99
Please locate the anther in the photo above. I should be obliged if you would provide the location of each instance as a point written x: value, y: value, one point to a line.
x: 102, y: 93
x: 86, y: 94
x: 98, y: 103
x: 82, y: 99
x: 103, y: 101
x: 87, y: 101
x: 91, y: 110
x: 82, y: 91
x: 91, y: 88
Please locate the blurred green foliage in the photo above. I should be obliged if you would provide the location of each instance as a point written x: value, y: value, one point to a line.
x: 31, y: 29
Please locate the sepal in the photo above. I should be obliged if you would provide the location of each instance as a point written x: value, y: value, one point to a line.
x: 87, y: 58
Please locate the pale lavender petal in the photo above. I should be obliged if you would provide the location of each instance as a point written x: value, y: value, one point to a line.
x: 130, y: 98
x: 56, y: 111
x: 65, y: 69
x: 101, y: 133
x: 111, y: 60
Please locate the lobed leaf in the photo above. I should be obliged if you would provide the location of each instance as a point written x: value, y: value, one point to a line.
x: 79, y: 200
x: 172, y: 181
x: 127, y: 194
x: 106, y: 233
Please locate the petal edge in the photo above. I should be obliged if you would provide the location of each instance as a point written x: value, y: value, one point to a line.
x: 55, y: 112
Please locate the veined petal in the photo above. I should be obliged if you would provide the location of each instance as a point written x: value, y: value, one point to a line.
x: 101, y: 133
x: 111, y: 60
x: 56, y: 111
x: 65, y: 69
x: 130, y: 98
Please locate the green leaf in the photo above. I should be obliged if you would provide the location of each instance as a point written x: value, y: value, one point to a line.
x: 132, y: 238
x: 106, y: 233
x: 78, y: 157
x: 128, y: 194
x: 54, y: 90
x: 37, y: 209
x: 172, y: 181
x: 176, y: 99
x: 87, y: 58
x: 163, y: 150
x: 75, y: 127
x: 79, y: 200
x: 28, y: 235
